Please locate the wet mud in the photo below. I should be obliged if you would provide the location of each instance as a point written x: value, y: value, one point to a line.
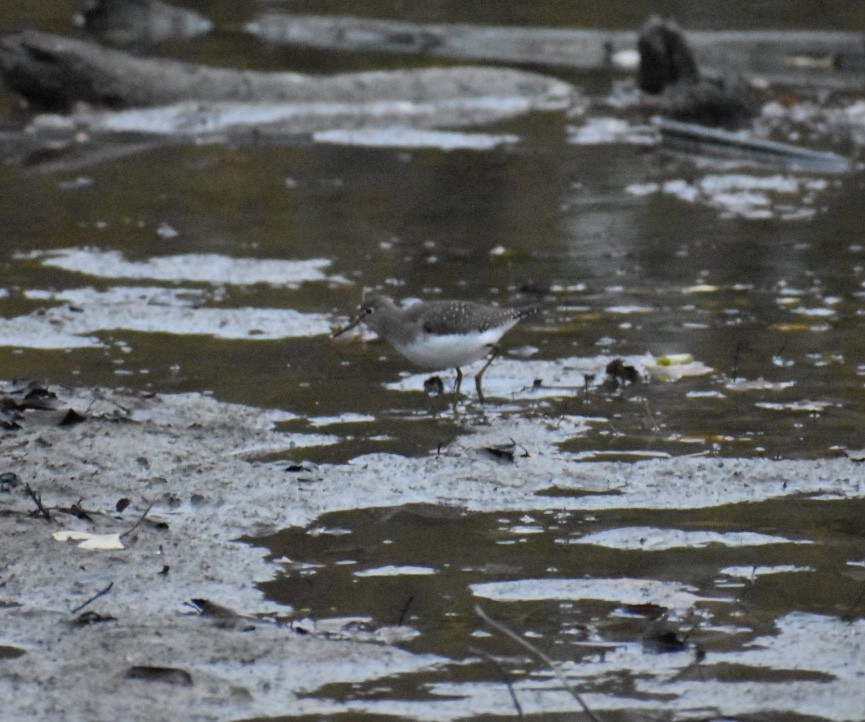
x: 179, y: 618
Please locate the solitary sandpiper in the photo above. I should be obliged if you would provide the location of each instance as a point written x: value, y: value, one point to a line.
x: 440, y: 334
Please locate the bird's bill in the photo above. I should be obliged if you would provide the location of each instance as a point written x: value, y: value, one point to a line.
x: 349, y: 327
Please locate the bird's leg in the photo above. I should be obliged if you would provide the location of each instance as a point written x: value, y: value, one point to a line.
x: 457, y: 384
x: 494, y: 354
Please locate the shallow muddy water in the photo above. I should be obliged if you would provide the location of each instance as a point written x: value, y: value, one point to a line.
x: 222, y: 268
x: 686, y: 606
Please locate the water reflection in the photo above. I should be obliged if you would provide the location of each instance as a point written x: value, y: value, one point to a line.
x: 597, y: 591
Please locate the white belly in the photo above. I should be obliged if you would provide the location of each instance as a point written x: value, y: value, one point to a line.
x: 442, y: 351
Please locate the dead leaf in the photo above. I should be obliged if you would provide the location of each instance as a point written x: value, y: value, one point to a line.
x: 90, y: 541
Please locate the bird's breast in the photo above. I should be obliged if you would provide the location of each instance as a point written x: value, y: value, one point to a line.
x: 440, y: 351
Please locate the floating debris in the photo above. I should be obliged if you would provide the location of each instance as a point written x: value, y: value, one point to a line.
x: 673, y: 367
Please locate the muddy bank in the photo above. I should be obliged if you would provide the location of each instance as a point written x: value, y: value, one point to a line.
x: 141, y: 649
x: 187, y: 467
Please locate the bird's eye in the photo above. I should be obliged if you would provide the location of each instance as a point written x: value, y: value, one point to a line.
x: 368, y: 310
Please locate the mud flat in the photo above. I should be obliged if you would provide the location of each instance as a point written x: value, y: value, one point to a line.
x: 105, y: 634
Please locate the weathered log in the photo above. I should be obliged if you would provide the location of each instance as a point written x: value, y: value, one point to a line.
x: 55, y: 71
x: 552, y: 47
x: 828, y: 59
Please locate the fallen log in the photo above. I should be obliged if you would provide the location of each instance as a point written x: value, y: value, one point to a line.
x: 55, y: 72
x: 827, y: 59
x: 553, y: 47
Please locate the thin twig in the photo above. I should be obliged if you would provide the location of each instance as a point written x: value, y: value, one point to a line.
x: 404, y: 609
x: 37, y: 499
x: 498, y: 626
x: 93, y: 598
x: 737, y: 351
x: 138, y: 523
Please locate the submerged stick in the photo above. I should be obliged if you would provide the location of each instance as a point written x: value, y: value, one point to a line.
x: 553, y: 665
x: 505, y: 678
x: 694, y: 138
x: 138, y: 523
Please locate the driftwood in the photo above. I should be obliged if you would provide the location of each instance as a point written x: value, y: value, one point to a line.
x: 170, y: 100
x: 828, y: 59
x: 553, y: 47
x: 152, y: 102
x: 56, y: 71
